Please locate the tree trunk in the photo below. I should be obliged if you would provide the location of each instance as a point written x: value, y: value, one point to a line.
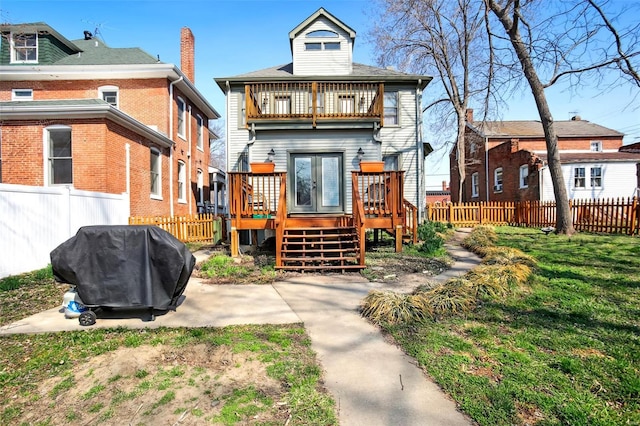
x: 461, y: 153
x: 564, y: 222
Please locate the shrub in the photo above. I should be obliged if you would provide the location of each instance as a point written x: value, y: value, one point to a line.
x: 432, y: 242
x: 223, y: 266
x: 391, y: 307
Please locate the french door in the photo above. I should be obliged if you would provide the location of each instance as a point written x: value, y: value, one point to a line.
x: 316, y: 183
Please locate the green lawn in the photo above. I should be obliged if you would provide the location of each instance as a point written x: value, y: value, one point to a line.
x: 566, y: 350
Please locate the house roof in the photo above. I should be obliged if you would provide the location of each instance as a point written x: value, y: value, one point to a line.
x: 360, y: 72
x: 533, y: 129
x: 39, y: 27
x: 594, y: 157
x: 96, y: 52
x: 321, y: 12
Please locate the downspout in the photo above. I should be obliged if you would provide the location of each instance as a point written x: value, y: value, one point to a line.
x: 420, y: 181
x: 171, y: 137
x: 486, y: 166
x: 127, y: 162
x: 227, y: 151
x: 189, y: 157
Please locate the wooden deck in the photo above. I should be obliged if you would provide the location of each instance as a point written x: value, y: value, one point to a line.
x: 311, y: 242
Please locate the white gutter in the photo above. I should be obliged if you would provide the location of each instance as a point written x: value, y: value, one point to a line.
x: 227, y: 150
x: 421, y: 178
x: 171, y: 137
x: 127, y: 151
x: 486, y: 165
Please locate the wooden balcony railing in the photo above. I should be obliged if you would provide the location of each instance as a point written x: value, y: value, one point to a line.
x: 314, y: 101
x: 256, y: 196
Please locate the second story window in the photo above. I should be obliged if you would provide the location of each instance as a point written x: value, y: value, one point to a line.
x: 200, y: 186
x: 22, y: 94
x: 391, y: 109
x: 182, y: 118
x: 497, y: 179
x: 182, y: 182
x: 24, y: 48
x: 475, y: 186
x: 109, y: 94
x: 596, y: 146
x: 200, y: 130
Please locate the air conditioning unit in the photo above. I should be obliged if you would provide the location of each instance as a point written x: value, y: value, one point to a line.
x: 497, y: 188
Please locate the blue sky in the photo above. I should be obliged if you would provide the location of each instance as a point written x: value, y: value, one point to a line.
x: 234, y: 37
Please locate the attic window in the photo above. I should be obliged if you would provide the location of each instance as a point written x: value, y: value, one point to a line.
x: 24, y: 48
x: 596, y: 146
x: 322, y: 33
x: 313, y: 46
x: 22, y: 94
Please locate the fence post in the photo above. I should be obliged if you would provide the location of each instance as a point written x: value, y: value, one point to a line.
x: 450, y: 212
x: 635, y: 217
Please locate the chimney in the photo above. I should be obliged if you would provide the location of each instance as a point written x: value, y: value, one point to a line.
x: 469, y: 115
x: 444, y: 185
x: 514, y: 144
x: 187, y: 52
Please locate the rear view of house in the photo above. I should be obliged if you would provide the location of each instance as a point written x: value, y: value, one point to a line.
x: 316, y: 120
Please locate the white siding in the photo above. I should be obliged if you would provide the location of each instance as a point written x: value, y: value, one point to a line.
x: 322, y: 62
x: 618, y: 180
x: 36, y: 220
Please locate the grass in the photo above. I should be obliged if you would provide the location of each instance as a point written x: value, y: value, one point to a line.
x: 563, y: 350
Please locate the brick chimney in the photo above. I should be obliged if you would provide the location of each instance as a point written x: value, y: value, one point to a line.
x: 187, y: 53
x: 469, y: 115
x: 514, y: 144
x: 445, y: 187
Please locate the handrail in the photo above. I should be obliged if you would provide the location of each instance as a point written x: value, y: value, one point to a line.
x: 281, y: 216
x: 358, y: 218
x: 410, y: 225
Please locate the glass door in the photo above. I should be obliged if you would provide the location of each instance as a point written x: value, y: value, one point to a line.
x: 316, y: 183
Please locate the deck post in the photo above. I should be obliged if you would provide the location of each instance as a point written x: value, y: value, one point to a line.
x: 398, y: 238
x: 234, y: 242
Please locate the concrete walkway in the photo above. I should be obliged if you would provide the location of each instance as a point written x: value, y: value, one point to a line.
x: 372, y: 381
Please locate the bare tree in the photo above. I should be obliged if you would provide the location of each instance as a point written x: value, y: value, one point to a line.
x: 217, y: 145
x: 575, y: 41
x: 445, y: 38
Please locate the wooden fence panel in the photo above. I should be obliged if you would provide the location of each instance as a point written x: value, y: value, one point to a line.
x: 200, y: 228
x: 613, y: 216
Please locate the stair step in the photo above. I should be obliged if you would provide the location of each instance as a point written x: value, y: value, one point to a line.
x: 321, y: 267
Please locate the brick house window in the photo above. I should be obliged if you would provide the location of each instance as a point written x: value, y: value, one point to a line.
x: 59, y: 155
x: 109, y: 94
x: 200, y: 133
x: 155, y: 168
x: 22, y: 94
x: 524, y: 176
x: 596, y: 146
x: 474, y: 185
x: 391, y: 109
x: 182, y: 118
x: 596, y: 177
x: 182, y: 182
x: 200, y: 184
x: 497, y: 180
x: 0, y: 155
x: 579, y: 177
x: 24, y: 48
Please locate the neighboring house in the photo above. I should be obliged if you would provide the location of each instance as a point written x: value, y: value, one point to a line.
x: 442, y: 196
x: 111, y: 120
x: 507, y: 161
x: 316, y: 118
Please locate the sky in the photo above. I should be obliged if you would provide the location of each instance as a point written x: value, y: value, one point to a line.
x: 239, y: 36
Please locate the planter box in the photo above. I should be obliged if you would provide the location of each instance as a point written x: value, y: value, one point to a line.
x: 372, y: 166
x: 262, y: 167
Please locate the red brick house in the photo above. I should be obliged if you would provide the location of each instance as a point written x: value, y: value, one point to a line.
x: 112, y: 120
x: 507, y: 161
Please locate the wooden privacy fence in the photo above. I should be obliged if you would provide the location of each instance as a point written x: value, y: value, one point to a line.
x: 200, y: 228
x: 607, y: 215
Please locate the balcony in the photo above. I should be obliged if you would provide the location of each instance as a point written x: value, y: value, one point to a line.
x: 314, y: 102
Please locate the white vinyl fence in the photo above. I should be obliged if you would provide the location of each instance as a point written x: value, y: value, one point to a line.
x: 35, y: 220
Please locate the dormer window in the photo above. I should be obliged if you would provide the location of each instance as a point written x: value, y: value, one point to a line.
x: 596, y: 146
x: 313, y: 46
x: 24, y: 48
x: 322, y: 33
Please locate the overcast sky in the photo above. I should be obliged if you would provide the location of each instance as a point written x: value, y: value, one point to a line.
x: 235, y: 37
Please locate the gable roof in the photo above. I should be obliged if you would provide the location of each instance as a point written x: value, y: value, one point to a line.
x: 39, y: 27
x: 594, y: 157
x: 533, y: 129
x: 96, y: 52
x: 359, y: 72
x: 318, y: 13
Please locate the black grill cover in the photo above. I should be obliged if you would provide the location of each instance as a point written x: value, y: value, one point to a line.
x: 124, y: 266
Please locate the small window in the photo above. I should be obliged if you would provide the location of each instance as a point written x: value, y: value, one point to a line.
x: 524, y: 176
x: 155, y: 169
x: 59, y: 155
x: 182, y: 118
x: 22, y: 94
x: 332, y: 45
x: 200, y: 132
x: 200, y: 186
x: 579, y: 177
x: 391, y: 109
x: 242, y: 111
x: 497, y: 180
x: 474, y: 185
x: 182, y: 182
x: 243, y: 162
x: 473, y: 147
x: 322, y: 33
x: 596, y: 146
x: 24, y: 48
x: 596, y: 177
x: 391, y: 162
x: 109, y: 94
x: 313, y: 46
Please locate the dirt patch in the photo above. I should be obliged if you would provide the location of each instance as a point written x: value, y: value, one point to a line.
x: 154, y: 385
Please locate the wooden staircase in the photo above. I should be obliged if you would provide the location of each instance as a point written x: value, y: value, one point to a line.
x: 321, y: 249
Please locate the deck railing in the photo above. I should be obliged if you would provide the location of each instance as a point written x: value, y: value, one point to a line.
x: 314, y: 101
x: 255, y: 195
x: 605, y: 215
x: 201, y: 228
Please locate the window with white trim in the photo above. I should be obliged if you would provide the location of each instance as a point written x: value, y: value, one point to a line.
x: 200, y: 183
x: 21, y: 94
x: 497, y: 180
x: 109, y: 94
x: 475, y: 185
x: 579, y: 177
x: 596, y: 177
x: 524, y: 176
x: 242, y: 111
x: 155, y: 168
x: 182, y: 182
x: 391, y: 109
x: 472, y: 147
x: 59, y: 155
x: 24, y: 48
x: 391, y: 162
x: 596, y: 146
x: 199, y: 132
x: 182, y: 118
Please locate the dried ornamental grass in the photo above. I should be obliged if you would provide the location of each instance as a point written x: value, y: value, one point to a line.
x: 498, y: 280
x: 453, y: 297
x: 507, y: 256
x: 481, y: 238
x: 386, y: 307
